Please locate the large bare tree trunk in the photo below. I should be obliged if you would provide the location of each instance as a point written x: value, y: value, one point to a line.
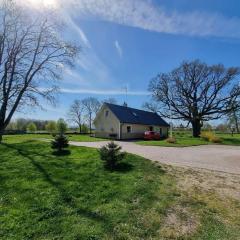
x: 196, y: 127
x: 1, y: 133
x: 236, y: 122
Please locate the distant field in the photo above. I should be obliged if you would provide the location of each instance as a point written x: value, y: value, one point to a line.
x: 184, y: 139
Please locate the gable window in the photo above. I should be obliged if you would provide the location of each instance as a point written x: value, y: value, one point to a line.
x: 129, y: 129
x: 106, y: 113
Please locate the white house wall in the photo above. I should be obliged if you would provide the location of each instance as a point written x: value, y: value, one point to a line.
x: 106, y: 125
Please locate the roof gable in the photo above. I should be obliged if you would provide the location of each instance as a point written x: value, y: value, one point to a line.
x: 136, y: 116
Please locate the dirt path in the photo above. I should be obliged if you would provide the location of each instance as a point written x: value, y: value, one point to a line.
x: 212, y: 157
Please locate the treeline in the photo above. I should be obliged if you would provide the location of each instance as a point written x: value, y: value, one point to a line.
x: 23, y: 125
x: 80, y: 115
x: 224, y: 127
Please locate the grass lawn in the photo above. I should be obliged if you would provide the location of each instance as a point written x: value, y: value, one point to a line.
x: 43, y: 196
x: 84, y: 138
x: 71, y: 137
x: 185, y: 140
x: 228, y: 139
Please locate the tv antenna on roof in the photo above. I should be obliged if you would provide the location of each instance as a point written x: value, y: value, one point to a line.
x: 126, y: 93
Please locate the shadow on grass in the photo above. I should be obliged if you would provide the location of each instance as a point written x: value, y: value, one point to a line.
x: 121, y: 167
x: 232, y: 141
x: 67, y: 199
x: 61, y: 153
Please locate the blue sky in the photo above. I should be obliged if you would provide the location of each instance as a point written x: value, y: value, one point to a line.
x: 128, y: 42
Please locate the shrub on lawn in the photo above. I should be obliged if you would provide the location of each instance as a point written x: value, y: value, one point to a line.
x: 171, y: 140
x: 210, y: 137
x: 111, y: 155
x: 59, y: 143
x: 207, y: 136
x: 215, y: 139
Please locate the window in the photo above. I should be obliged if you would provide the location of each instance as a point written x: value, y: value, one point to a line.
x: 160, y: 131
x: 106, y: 113
x: 151, y: 128
x: 129, y: 129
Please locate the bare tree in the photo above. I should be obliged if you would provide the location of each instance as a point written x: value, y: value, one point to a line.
x: 152, y: 106
x: 76, y: 113
x: 91, y: 105
x: 196, y: 92
x: 31, y: 58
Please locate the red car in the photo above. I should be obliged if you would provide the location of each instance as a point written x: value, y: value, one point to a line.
x: 151, y: 135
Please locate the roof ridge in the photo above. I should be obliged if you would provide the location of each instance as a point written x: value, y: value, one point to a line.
x: 136, y: 116
x: 130, y: 108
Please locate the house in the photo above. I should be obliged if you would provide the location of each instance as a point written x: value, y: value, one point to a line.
x: 122, y: 122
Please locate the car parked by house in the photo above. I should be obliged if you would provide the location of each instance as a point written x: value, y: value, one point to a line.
x: 151, y: 135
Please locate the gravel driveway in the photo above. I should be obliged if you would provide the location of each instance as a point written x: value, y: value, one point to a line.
x: 211, y: 157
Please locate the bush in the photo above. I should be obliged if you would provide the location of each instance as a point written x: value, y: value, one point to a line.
x: 61, y: 126
x: 111, y: 155
x: 207, y: 136
x: 171, y: 140
x: 216, y: 140
x: 59, y: 143
x: 31, y: 127
x: 51, y: 127
x: 210, y: 137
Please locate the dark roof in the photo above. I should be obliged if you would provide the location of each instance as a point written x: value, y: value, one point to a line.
x: 136, y: 116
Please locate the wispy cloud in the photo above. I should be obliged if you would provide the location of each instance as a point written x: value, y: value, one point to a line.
x: 119, y: 48
x: 89, y: 68
x: 103, y: 92
x: 144, y: 14
x: 75, y: 28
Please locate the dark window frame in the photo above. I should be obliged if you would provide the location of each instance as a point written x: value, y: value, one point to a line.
x: 129, y: 129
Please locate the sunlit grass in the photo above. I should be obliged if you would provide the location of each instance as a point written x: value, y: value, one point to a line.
x: 71, y: 137
x: 43, y: 196
x: 184, y: 139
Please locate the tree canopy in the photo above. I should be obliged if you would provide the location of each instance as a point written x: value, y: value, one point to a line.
x: 32, y: 56
x: 196, y: 92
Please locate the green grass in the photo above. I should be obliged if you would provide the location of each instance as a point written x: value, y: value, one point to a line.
x: 73, y: 197
x: 228, y: 139
x: 184, y: 139
x: 71, y: 137
x: 43, y: 196
x: 84, y: 138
